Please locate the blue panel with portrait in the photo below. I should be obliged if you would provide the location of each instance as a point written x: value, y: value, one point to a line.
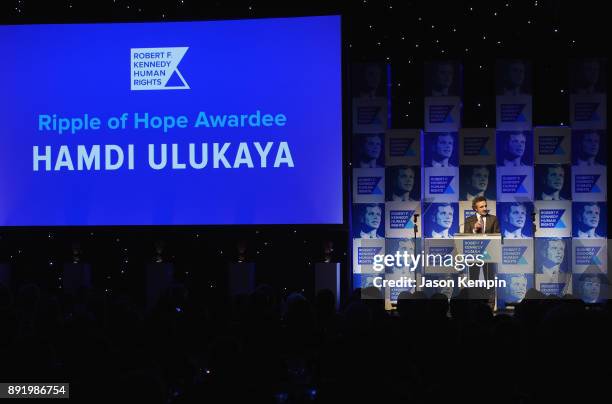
x: 441, y: 149
x: 514, y: 148
x: 515, y: 219
x: 589, y: 148
x: 517, y: 285
x: 368, y: 151
x: 552, y: 255
x: 477, y: 180
x: 440, y: 220
x: 591, y: 286
x: 552, y: 182
x: 403, y: 183
x: 589, y: 220
x: 368, y: 220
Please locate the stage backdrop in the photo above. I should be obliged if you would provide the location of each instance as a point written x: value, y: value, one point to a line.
x: 546, y: 185
x: 218, y: 122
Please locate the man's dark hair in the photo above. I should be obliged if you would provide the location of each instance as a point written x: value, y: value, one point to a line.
x: 365, y: 207
x: 437, y: 209
x: 546, y: 170
x: 589, y: 204
x: 476, y: 200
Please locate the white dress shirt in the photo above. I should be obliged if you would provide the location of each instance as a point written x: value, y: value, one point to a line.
x: 513, y: 163
x: 370, y: 234
x: 514, y: 234
x: 483, y: 219
x: 369, y: 164
x: 552, y: 197
x: 587, y: 163
x: 555, y: 270
x: 442, y: 234
x: 443, y: 163
x: 469, y: 196
x: 588, y: 234
x: 398, y: 198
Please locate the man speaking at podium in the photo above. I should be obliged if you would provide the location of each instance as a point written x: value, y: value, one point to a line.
x: 481, y: 222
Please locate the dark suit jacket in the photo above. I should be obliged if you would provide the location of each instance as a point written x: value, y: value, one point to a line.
x: 492, y: 225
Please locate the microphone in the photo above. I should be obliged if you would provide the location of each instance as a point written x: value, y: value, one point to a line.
x: 533, y: 222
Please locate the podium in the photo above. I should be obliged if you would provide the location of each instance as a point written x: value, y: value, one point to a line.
x: 486, y: 244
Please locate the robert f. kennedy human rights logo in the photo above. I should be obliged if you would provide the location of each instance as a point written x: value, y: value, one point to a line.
x: 157, y: 69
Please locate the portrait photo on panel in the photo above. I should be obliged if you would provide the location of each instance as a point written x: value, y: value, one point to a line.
x: 477, y: 180
x: 589, y: 220
x: 588, y: 76
x: 552, y: 182
x: 516, y: 219
x: 369, y: 80
x: 513, y: 77
x: 591, y: 286
x: 516, y: 288
x: 552, y: 256
x: 589, y: 148
x: 368, y: 220
x: 441, y: 149
x: 514, y: 148
x: 401, y: 245
x: 368, y: 151
x: 443, y: 78
x: 403, y: 183
x: 441, y: 220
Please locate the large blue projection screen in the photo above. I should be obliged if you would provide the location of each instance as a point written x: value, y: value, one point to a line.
x: 220, y: 122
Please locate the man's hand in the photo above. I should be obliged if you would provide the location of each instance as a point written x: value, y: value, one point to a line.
x: 477, y: 227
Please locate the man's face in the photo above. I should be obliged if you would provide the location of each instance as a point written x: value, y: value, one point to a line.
x: 518, y: 288
x: 480, y: 179
x: 372, y: 217
x: 405, y: 180
x: 555, y: 251
x: 591, y: 287
x: 516, y: 145
x: 517, y: 216
x: 554, y: 178
x: 516, y: 73
x: 406, y: 246
x: 444, y: 75
x: 372, y: 76
x: 590, y: 216
x: 444, y: 216
x: 590, y: 72
x: 444, y: 146
x: 481, y: 207
x: 590, y: 144
x: 373, y: 146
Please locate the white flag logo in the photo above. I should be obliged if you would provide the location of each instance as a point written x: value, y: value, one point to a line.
x: 157, y: 69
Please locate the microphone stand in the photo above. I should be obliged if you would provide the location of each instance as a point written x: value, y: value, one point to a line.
x: 416, y: 230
